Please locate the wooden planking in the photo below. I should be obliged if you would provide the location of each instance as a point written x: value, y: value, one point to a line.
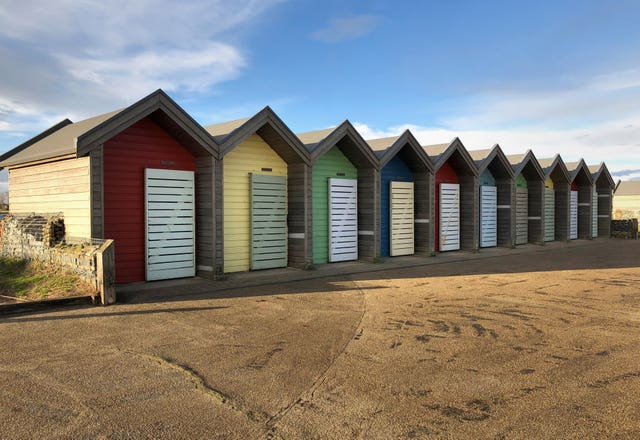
x: 449, y: 201
x: 125, y: 157
x: 594, y: 215
x: 299, y: 217
x: 205, y: 215
x: 423, y: 206
x: 368, y: 214
x: 488, y: 216
x: 396, y: 170
x: 522, y: 215
x: 573, y: 215
x: 561, y: 216
x: 549, y: 214
x: 536, y: 209
x: 63, y: 186
x: 97, y: 193
x: 331, y: 164
x: 445, y: 174
x: 343, y: 219
x: 506, y: 218
x: 469, y: 218
x: 170, y: 233
x: 250, y: 156
x: 401, y: 213
x: 268, y: 221
x: 585, y: 218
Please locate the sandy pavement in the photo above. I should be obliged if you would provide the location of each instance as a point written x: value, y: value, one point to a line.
x: 543, y: 344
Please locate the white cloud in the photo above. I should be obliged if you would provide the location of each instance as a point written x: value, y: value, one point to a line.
x: 349, y: 28
x: 85, y: 57
x: 612, y: 142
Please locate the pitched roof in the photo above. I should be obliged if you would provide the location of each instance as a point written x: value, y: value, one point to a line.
x: 485, y: 158
x: 268, y: 125
x: 58, y: 143
x: 311, y: 138
x: 574, y: 169
x: 440, y: 153
x: 519, y: 163
x: 221, y: 130
x: 549, y: 164
x: 628, y: 188
x: 318, y: 142
x: 81, y: 137
x: 599, y: 171
x: 380, y: 145
x: 387, y: 148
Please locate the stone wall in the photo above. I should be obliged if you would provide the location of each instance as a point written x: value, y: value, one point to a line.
x: 625, y: 228
x: 41, y: 237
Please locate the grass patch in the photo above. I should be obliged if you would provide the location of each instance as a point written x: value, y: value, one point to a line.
x: 34, y: 280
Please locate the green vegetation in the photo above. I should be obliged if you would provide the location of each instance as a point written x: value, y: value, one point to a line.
x: 34, y: 280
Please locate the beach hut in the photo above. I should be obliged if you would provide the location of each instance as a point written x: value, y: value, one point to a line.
x: 455, y: 197
x: 495, y: 197
x: 406, y: 192
x: 142, y: 176
x: 344, y: 197
x: 603, y: 186
x: 262, y: 188
x: 529, y: 198
x: 556, y: 199
x: 581, y: 200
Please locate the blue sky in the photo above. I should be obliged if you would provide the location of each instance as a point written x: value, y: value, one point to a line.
x: 551, y: 76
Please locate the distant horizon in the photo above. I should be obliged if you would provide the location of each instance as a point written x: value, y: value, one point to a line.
x: 553, y: 78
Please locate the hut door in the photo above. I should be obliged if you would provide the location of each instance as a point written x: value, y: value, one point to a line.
x: 268, y: 221
x: 522, y: 214
x: 573, y: 215
x: 488, y: 216
x: 401, y: 221
x: 594, y: 215
x: 170, y: 224
x: 343, y: 219
x: 449, y: 216
x: 549, y: 214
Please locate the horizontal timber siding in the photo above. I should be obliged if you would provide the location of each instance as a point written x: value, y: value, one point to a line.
x: 62, y: 186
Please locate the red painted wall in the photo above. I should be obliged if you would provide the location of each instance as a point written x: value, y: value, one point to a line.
x: 143, y: 145
x: 574, y: 186
x: 445, y: 174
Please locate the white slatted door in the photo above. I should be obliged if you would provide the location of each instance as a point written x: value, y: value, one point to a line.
x: 170, y: 224
x: 268, y: 221
x: 594, y: 215
x: 401, y: 218
x: 488, y: 216
x: 522, y: 215
x: 573, y: 215
x: 549, y: 214
x: 449, y: 217
x: 343, y: 220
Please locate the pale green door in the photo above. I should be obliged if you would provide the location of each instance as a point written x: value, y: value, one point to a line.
x: 268, y: 221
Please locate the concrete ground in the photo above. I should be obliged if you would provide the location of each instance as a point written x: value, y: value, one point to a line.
x: 541, y: 342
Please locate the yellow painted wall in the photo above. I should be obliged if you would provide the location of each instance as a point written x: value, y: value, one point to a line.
x: 54, y: 187
x: 249, y: 157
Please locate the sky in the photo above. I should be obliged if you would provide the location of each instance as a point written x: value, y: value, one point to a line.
x: 555, y: 77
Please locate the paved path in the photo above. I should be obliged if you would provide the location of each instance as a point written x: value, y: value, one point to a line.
x: 537, y: 343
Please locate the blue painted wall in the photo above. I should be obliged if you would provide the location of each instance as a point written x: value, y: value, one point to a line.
x: 398, y: 171
x: 487, y: 179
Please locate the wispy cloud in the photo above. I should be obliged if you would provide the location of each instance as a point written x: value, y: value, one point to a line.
x: 347, y: 28
x: 81, y: 58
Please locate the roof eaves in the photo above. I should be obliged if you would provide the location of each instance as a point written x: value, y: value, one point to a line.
x: 49, y: 131
x: 157, y: 100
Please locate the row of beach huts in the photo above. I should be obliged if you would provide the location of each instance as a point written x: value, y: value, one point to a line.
x: 180, y: 199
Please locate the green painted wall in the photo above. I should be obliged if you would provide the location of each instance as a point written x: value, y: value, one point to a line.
x: 329, y: 165
x: 521, y: 182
